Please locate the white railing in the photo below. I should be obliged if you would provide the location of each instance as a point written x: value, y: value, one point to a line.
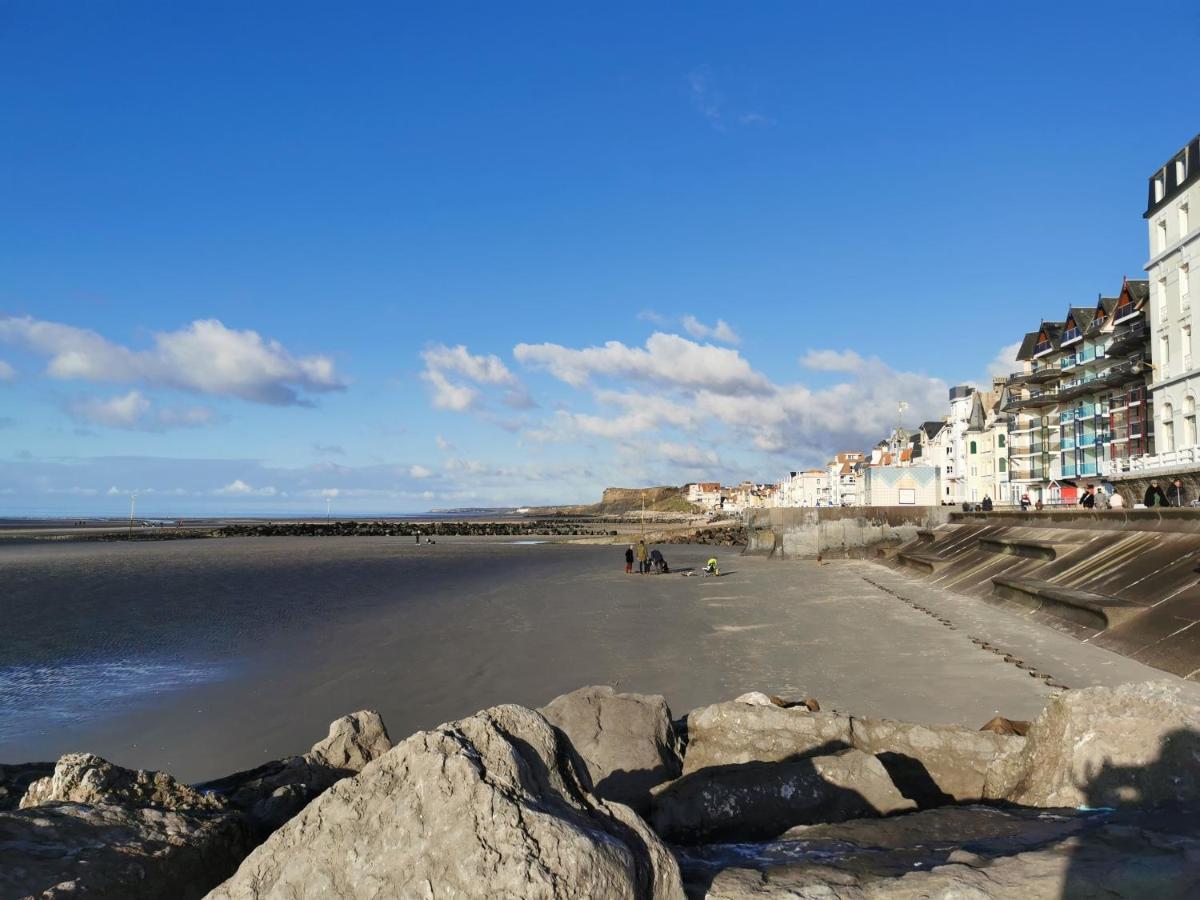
x: 1132, y: 465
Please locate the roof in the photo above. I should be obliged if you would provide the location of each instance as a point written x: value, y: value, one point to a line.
x: 1027, y: 345
x: 1082, y: 315
x: 931, y: 428
x: 1139, y: 289
x: 906, y: 455
x: 977, y: 419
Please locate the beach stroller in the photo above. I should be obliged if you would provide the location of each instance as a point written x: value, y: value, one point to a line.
x: 710, y: 568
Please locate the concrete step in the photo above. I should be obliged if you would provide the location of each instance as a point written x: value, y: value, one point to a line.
x: 1083, y: 607
x: 1017, y: 547
x: 922, y: 562
x: 926, y: 535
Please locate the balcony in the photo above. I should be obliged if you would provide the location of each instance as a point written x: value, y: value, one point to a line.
x: 1188, y: 457
x: 1042, y: 348
x: 1070, y: 336
x: 1125, y: 313
x: 1129, y: 337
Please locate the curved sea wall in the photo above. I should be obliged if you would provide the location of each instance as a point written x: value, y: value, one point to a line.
x: 836, y: 531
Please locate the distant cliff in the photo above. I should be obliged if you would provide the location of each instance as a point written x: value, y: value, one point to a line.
x: 617, y: 501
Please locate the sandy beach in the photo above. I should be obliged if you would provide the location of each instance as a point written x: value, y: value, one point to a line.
x: 203, y: 657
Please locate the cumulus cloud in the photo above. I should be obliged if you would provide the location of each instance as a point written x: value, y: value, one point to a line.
x: 719, y: 332
x: 832, y: 361
x: 453, y: 372
x: 135, y: 412
x: 688, y: 456
x: 205, y: 357
x: 1005, y: 361
x: 239, y: 488
x: 419, y: 471
x: 442, y: 443
x: 7, y: 372
x: 667, y: 359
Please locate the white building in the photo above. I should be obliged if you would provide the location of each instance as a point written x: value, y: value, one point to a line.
x: 954, y: 467
x: 705, y: 493
x: 808, y: 488
x: 1173, y: 219
x: 843, y: 478
x: 986, y: 436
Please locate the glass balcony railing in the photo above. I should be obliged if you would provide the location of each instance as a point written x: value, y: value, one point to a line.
x: 1042, y: 347
x: 1071, y: 334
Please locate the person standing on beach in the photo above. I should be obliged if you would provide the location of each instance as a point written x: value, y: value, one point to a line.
x: 629, y: 560
x: 642, y: 556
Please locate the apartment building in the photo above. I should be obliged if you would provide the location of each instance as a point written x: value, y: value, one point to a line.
x: 986, y: 439
x: 1080, y: 407
x: 844, y: 470
x: 1173, y: 221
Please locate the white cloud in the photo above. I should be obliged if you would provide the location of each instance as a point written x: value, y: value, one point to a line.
x: 7, y: 372
x: 832, y: 361
x: 239, y: 488
x: 135, y: 412
x: 667, y: 359
x: 688, y: 456
x: 719, y: 332
x: 419, y: 471
x: 442, y: 362
x: 712, y: 104
x: 205, y: 357
x: 650, y: 315
x: 442, y: 443
x: 1005, y: 361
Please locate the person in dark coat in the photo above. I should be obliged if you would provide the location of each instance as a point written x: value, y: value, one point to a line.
x: 1177, y: 493
x: 629, y: 560
x: 1088, y: 498
x: 987, y: 503
x: 1155, y: 496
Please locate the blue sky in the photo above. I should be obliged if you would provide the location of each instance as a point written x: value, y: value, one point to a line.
x: 241, y: 245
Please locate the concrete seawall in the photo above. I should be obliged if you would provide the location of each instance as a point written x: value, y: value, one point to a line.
x: 832, y: 531
x: 1128, y: 581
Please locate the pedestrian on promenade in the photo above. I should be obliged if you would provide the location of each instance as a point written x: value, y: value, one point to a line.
x: 1039, y: 506
x: 629, y: 560
x: 642, y: 557
x: 1024, y: 503
x: 1116, y: 501
x: 1102, y: 501
x: 987, y: 503
x: 1155, y: 496
x: 418, y: 537
x: 1177, y: 493
x: 1088, y: 498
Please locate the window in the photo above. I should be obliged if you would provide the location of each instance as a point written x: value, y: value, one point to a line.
x: 1189, y: 421
x: 1185, y: 285
x: 1000, y: 440
x: 1183, y: 219
x: 1160, y: 188
x: 1164, y: 356
x: 1186, y: 348
x: 1180, y: 170
x: 1003, y: 465
x: 1160, y: 287
x: 1160, y: 235
x: 974, y: 449
x: 1167, y: 437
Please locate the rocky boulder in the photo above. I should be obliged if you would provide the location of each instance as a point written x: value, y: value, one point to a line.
x: 1013, y: 854
x: 272, y: 793
x: 104, y: 852
x: 760, y: 800
x: 1137, y: 744
x: 486, y: 806
x: 731, y: 733
x: 625, y: 742
x: 86, y: 778
x: 16, y: 778
x: 934, y: 764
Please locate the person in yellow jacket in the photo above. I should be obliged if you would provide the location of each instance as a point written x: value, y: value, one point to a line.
x: 710, y: 568
x: 643, y: 556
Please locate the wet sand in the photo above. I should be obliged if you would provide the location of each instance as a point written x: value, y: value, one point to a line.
x: 204, y: 657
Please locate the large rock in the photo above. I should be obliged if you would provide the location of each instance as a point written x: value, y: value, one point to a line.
x: 86, y: 778
x: 758, y: 800
x: 272, y: 793
x: 1137, y: 744
x: 65, y: 850
x: 625, y: 741
x: 934, y: 764
x: 487, y: 806
x: 730, y: 733
x: 1013, y: 855
x: 15, y: 779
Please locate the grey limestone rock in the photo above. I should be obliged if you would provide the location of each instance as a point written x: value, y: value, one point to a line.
x: 731, y: 733
x: 104, y: 852
x: 86, y: 778
x: 625, y: 742
x: 486, y: 806
x: 272, y: 793
x: 760, y: 800
x: 1137, y: 744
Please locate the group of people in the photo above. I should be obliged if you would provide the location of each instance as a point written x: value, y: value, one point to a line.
x: 648, y: 561
x: 1094, y: 497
